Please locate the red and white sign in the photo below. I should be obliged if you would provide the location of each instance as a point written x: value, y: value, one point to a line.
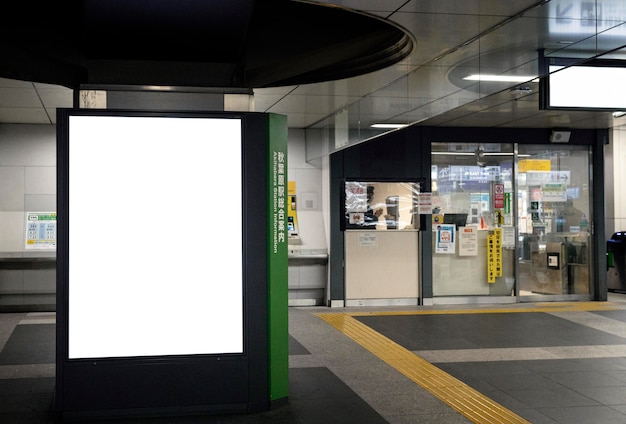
x: 498, y: 196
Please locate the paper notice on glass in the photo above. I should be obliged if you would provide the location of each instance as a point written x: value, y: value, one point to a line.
x: 425, y: 203
x: 468, y: 241
x: 445, y: 239
x: 508, y: 237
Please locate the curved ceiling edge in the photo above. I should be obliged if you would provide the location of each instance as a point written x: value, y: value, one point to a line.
x: 222, y: 43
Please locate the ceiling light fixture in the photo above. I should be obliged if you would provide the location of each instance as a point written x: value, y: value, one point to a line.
x: 500, y: 78
x: 389, y: 126
x: 619, y: 114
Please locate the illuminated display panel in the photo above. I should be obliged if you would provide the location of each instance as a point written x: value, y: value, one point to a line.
x: 587, y: 87
x: 155, y: 238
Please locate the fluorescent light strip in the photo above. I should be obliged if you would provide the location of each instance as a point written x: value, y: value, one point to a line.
x: 500, y: 78
x: 388, y: 126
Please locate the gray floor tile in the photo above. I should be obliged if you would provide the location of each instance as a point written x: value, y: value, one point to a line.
x: 543, y: 398
x: 30, y: 344
x: 605, y: 395
x: 585, y: 379
x: 335, y: 380
x: 585, y: 415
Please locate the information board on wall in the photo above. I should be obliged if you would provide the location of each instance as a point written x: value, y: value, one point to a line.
x: 41, y: 231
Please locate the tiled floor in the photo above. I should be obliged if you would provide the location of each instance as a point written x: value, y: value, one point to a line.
x: 542, y: 363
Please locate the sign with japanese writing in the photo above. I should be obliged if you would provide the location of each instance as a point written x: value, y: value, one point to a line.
x: 554, y: 192
x: 41, y: 230
x: 368, y: 240
x: 468, y: 241
x: 356, y: 196
x: 538, y: 177
x: 445, y: 239
x: 525, y: 165
x: 278, y: 218
x: 279, y: 179
x: 425, y: 205
x: 494, y: 255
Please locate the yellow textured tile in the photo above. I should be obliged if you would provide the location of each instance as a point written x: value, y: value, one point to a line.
x: 467, y: 401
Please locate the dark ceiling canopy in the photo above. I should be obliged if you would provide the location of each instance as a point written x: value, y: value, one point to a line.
x: 202, y: 43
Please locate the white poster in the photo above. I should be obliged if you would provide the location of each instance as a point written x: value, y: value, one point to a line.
x: 468, y: 241
x: 368, y: 240
x: 425, y: 203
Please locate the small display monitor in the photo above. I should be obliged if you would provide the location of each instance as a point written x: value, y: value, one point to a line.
x: 458, y: 219
x: 392, y: 206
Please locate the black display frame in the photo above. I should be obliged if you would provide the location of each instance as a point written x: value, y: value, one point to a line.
x: 544, y: 81
x: 177, y: 384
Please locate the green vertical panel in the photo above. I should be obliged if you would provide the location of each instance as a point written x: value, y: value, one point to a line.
x: 277, y: 257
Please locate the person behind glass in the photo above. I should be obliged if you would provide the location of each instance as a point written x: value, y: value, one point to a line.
x: 370, y: 218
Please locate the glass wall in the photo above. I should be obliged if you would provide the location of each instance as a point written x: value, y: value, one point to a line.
x: 509, y: 223
x: 381, y: 205
x: 553, y: 219
x: 473, y: 219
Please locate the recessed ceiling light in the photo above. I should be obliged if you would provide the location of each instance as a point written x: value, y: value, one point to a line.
x: 389, y: 126
x: 500, y: 78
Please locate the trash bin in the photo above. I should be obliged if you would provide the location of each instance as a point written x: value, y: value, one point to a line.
x: 616, y: 262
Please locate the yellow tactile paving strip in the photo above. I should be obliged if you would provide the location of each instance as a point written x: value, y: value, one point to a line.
x: 458, y: 395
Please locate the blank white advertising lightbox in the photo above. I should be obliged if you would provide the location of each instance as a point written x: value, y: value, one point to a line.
x: 155, y: 238
x: 587, y: 87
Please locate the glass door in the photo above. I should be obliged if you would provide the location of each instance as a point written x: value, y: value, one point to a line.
x: 473, y: 222
x: 553, y: 202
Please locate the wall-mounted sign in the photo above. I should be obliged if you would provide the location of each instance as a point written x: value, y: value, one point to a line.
x: 41, y: 230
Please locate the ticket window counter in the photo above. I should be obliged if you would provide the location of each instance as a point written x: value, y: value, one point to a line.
x: 381, y: 243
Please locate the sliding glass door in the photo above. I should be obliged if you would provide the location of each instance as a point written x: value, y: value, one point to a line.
x: 553, y: 220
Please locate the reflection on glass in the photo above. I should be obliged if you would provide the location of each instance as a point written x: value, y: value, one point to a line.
x: 472, y: 219
x: 381, y: 205
x: 553, y: 219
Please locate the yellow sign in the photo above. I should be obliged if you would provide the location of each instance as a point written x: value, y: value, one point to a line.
x: 525, y: 165
x: 291, y: 187
x: 494, y: 255
x: 292, y: 215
